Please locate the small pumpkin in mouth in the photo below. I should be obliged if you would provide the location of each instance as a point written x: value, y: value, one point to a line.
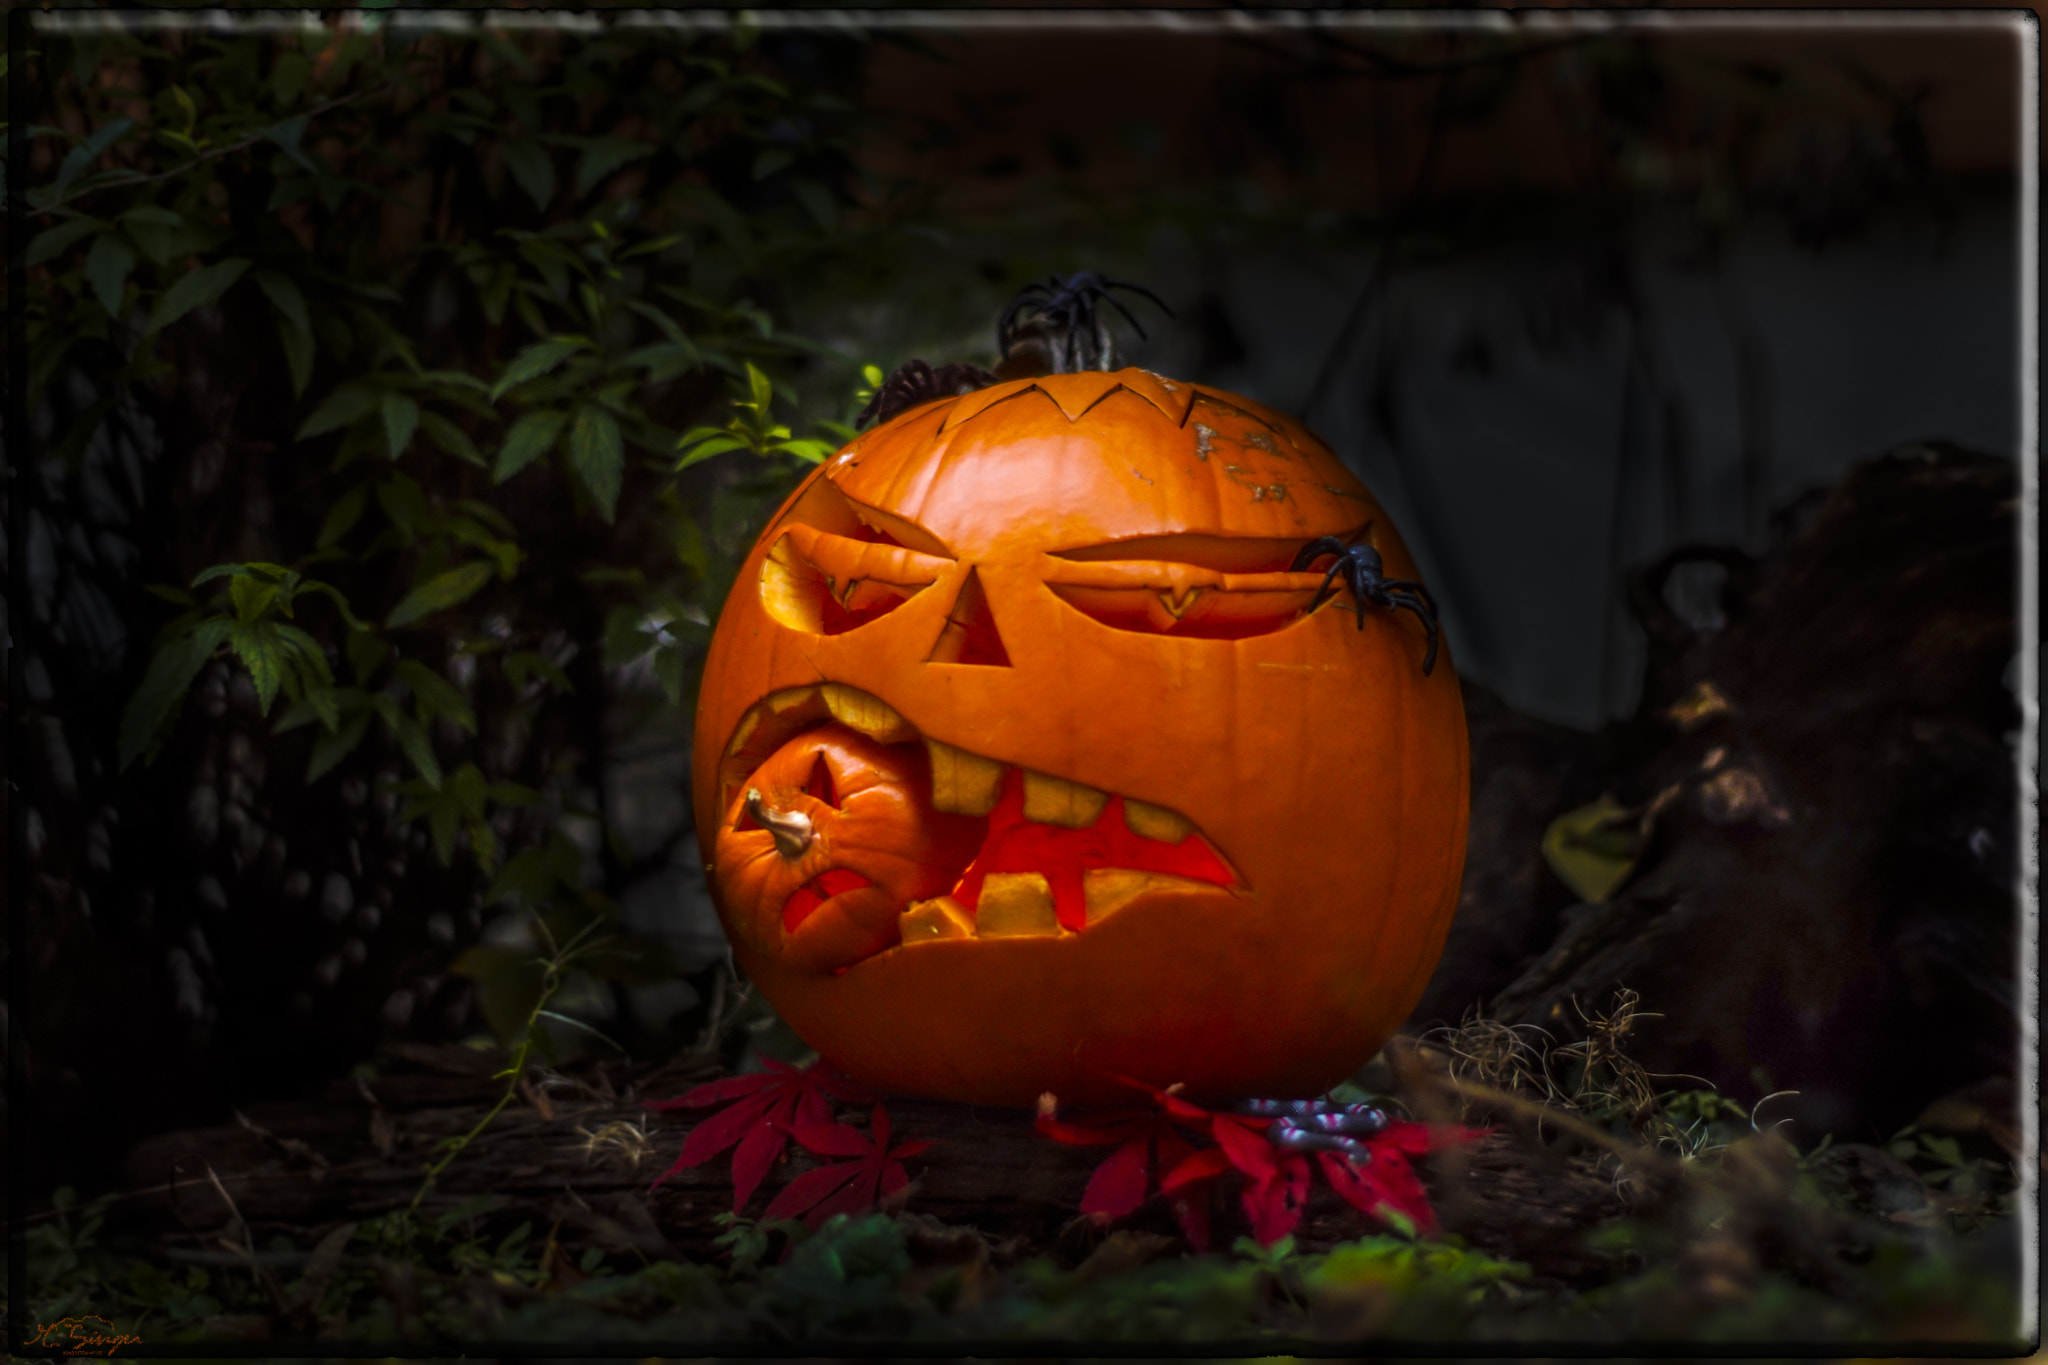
x: 1124, y: 781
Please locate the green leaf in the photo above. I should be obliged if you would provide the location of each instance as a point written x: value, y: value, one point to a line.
x: 344, y: 407
x: 164, y: 686
x: 708, y: 447
x: 811, y: 452
x: 328, y: 590
x: 257, y: 647
x: 251, y: 596
x: 669, y: 327
x: 691, y: 550
x: 53, y: 242
x: 434, y: 695
x: 283, y: 293
x: 401, y: 419
x: 533, y: 876
x: 203, y: 285
x: 760, y: 391
x: 651, y: 246
x: 1594, y: 848
x: 341, y: 518
x: 626, y: 637
x: 533, y: 169
x: 287, y: 135
x: 440, y: 592
x: 672, y: 671
x: 631, y: 961
x: 412, y: 740
x: 552, y: 260
x: 817, y: 200
x: 452, y: 439
x: 404, y: 504
x: 298, y: 354
x: 107, y: 267
x: 602, y: 156
x: 163, y: 235
x: 330, y: 747
x: 598, y: 456
x: 508, y: 983
x: 523, y: 664
x: 531, y: 437
x: 536, y: 360
x: 87, y: 152
x: 665, y: 360
x: 288, y: 77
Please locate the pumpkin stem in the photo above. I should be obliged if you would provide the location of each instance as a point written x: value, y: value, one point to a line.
x: 791, y: 829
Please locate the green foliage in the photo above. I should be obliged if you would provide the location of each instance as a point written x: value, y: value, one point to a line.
x: 752, y: 429
x: 448, y: 299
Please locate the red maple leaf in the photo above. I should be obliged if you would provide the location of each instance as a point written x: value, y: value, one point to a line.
x: 1387, y: 1182
x: 1139, y: 1135
x: 760, y: 1110
x: 1276, y: 1180
x: 1142, y: 1134
x: 855, y: 1186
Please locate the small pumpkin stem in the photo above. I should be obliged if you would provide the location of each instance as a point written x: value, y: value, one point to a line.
x: 792, y: 829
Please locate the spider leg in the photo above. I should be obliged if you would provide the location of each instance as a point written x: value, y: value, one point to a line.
x: 1343, y: 569
x: 1139, y: 327
x: 1414, y: 588
x: 1138, y: 289
x: 1405, y: 599
x: 1314, y: 550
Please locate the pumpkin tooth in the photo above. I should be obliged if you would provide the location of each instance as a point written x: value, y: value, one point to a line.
x: 932, y: 920
x: 1156, y: 822
x: 1052, y: 800
x: 1106, y: 890
x: 876, y: 719
x: 789, y: 698
x: 963, y: 783
x: 1016, y: 905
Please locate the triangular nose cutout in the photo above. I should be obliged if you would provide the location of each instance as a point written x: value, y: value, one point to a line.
x: 970, y: 636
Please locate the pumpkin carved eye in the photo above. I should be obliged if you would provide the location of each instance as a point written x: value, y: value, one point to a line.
x: 838, y: 565
x: 1201, y: 587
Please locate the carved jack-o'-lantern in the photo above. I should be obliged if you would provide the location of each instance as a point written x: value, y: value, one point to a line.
x: 1030, y: 756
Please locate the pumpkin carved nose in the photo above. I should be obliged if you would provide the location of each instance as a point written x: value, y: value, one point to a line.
x: 970, y: 635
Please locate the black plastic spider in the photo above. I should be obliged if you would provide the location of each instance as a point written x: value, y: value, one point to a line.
x: 1362, y: 570
x: 1058, y: 319
x: 916, y: 382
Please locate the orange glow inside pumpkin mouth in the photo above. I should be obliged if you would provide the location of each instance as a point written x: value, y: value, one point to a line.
x: 1051, y: 857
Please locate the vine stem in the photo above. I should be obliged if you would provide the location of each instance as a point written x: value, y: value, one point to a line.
x: 252, y: 140
x: 553, y: 966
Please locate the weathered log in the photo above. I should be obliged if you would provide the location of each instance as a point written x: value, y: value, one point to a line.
x: 584, y: 1155
x: 1825, y: 900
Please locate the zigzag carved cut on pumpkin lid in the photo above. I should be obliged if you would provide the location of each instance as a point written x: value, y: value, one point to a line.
x: 1075, y: 394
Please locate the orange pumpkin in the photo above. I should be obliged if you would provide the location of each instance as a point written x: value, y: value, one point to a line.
x: 1025, y: 761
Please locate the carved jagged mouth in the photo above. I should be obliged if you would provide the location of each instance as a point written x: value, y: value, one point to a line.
x: 1053, y: 857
